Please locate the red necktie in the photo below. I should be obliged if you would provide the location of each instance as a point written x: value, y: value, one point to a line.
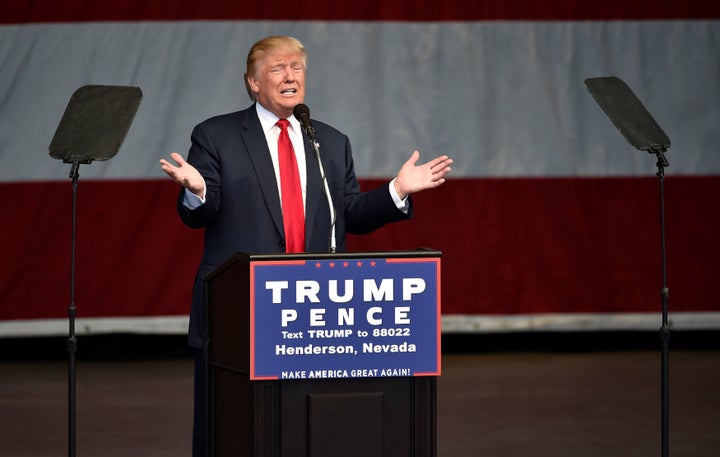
x: 292, y: 202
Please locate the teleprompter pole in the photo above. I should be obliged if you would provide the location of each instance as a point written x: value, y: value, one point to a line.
x: 665, y: 328
x: 72, y: 339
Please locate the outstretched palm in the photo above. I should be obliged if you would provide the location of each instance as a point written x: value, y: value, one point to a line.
x: 413, y: 178
x: 184, y: 174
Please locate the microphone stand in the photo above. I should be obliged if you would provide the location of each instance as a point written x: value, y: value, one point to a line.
x: 313, y: 142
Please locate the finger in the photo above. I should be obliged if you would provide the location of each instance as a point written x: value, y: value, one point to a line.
x: 441, y: 174
x: 438, y: 161
x: 166, y: 166
x: 414, y: 157
x: 441, y: 166
x: 170, y: 171
x: 177, y: 158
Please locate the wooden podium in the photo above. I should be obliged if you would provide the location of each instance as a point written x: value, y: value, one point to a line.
x: 314, y: 373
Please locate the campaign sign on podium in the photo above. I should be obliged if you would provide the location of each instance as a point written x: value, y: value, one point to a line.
x: 336, y: 318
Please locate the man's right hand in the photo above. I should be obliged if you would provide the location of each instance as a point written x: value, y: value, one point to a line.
x: 184, y: 174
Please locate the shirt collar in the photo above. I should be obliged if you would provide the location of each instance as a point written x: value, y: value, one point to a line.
x: 268, y: 119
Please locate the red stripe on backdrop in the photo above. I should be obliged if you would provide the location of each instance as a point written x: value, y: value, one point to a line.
x: 133, y: 256
x: 27, y: 11
x: 527, y: 246
x: 510, y: 246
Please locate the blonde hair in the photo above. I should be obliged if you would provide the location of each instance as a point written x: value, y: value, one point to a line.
x: 270, y: 44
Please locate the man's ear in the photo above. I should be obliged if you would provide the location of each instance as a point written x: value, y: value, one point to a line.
x: 253, y: 84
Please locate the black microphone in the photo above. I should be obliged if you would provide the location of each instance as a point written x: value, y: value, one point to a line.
x: 302, y: 114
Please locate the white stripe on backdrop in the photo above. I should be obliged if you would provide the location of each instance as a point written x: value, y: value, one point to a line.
x: 177, y: 325
x: 503, y: 98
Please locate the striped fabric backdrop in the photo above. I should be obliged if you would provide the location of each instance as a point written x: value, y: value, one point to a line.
x: 551, y: 219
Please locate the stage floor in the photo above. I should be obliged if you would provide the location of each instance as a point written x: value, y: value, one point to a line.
x: 489, y: 404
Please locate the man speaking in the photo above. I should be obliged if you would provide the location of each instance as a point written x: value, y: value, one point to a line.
x: 252, y: 182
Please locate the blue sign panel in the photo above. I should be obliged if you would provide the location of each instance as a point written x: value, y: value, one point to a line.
x: 335, y: 318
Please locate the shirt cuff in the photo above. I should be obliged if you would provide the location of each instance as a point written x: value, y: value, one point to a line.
x: 192, y: 201
x: 401, y: 203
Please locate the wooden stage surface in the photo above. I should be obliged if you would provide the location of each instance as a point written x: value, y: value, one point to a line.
x: 490, y: 403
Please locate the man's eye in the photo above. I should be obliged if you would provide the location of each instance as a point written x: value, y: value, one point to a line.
x: 276, y: 70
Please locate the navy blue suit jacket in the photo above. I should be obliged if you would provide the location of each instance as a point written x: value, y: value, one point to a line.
x: 242, y: 211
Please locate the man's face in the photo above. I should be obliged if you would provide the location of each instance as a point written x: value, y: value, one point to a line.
x: 279, y: 82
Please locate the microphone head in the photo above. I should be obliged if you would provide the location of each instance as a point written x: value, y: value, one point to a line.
x: 301, y: 110
x: 302, y: 114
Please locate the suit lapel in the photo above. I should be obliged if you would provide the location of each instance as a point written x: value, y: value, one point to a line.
x: 257, y: 149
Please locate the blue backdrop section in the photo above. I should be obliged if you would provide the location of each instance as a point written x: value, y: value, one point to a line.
x: 370, y: 317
